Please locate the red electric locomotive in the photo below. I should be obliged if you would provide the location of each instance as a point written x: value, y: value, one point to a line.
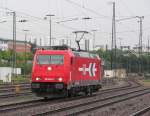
x: 65, y: 72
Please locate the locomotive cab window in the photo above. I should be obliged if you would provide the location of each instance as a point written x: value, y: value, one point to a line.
x: 50, y: 59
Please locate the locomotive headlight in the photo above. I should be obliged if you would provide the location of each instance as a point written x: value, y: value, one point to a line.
x: 38, y: 78
x: 49, y: 68
x: 60, y: 79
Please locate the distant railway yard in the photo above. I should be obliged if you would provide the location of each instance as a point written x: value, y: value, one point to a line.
x: 75, y: 58
x: 116, y: 98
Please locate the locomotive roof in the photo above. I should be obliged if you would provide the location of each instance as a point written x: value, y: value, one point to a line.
x: 81, y: 53
x: 75, y: 53
x: 63, y: 47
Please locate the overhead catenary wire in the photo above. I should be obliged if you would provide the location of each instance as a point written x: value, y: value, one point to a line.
x: 19, y: 30
x: 30, y: 16
x: 88, y: 9
x: 37, y: 22
x: 22, y: 13
x: 37, y: 18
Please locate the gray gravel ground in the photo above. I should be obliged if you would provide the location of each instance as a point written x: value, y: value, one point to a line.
x: 48, y: 107
x: 124, y: 108
x: 18, y: 99
x: 147, y: 114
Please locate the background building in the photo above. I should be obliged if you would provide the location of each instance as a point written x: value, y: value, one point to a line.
x: 6, y: 44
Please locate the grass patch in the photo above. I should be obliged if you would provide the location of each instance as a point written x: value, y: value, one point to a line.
x: 1, y: 82
x: 21, y: 79
x: 17, y: 79
x: 146, y: 80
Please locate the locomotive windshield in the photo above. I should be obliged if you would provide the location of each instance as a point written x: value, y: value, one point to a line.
x: 50, y: 59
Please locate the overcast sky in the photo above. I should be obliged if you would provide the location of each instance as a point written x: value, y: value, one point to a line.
x: 100, y: 12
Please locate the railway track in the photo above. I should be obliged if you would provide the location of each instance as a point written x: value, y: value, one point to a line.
x: 101, y: 92
x: 3, y: 86
x: 131, y: 84
x: 33, y: 104
x: 13, y: 87
x: 25, y: 90
x: 13, y: 94
x: 13, y: 90
x: 8, y: 95
x: 7, y: 91
x: 84, y: 107
x: 15, y: 106
x: 141, y: 112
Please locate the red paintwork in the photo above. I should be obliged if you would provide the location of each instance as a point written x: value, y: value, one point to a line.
x: 69, y: 72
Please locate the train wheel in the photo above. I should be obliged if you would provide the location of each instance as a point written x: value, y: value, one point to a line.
x: 45, y: 98
x: 72, y: 92
x: 89, y: 91
x: 68, y: 93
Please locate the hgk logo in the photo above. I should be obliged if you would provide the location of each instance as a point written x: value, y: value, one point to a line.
x: 91, y: 69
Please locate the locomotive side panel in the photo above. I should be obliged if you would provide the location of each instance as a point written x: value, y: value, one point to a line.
x: 86, y: 71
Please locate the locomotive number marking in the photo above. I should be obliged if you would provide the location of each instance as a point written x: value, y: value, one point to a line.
x: 91, y: 69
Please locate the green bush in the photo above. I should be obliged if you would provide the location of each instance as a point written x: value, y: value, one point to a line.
x: 20, y: 79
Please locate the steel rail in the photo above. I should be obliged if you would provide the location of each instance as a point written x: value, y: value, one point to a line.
x: 143, y: 91
x: 141, y: 112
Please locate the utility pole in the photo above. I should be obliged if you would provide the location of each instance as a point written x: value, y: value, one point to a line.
x: 63, y: 41
x: 25, y: 43
x: 140, y: 41
x: 148, y: 56
x: 140, y: 38
x: 148, y: 46
x: 113, y: 45
x: 70, y: 43
x: 14, y: 44
x: 120, y: 42
x: 148, y: 61
x: 141, y: 33
x: 87, y: 45
x: 53, y: 41
x: 40, y: 42
x: 94, y: 30
x: 50, y: 33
